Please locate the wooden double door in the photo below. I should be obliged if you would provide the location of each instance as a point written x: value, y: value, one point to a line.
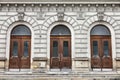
x: 101, y: 53
x: 20, y: 52
x: 60, y: 52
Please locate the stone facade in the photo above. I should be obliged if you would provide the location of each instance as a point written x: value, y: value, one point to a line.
x: 79, y: 18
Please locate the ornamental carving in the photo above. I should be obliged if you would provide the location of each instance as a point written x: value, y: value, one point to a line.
x: 68, y: 9
x: 60, y: 8
x: 84, y: 9
x: 21, y: 16
x: 93, y: 9
x: 4, y: 8
x: 80, y: 15
x: 52, y: 9
x: 60, y: 16
x: 29, y: 8
x: 100, y: 9
x: 117, y: 9
x: 100, y: 16
x: 20, y: 9
x: 12, y: 8
x: 108, y: 9
x: 37, y: 8
x: 76, y: 9
x: 44, y: 9
x: 40, y: 15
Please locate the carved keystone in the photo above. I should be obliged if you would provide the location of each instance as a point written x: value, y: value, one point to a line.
x: 21, y: 16
x: 60, y: 16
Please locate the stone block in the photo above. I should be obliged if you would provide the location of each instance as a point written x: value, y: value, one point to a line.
x: 80, y: 79
x: 118, y: 62
x: 81, y: 63
x: 2, y: 64
x: 40, y: 61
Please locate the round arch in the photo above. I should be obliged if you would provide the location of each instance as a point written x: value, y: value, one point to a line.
x: 106, y: 20
x: 111, y: 30
x: 72, y: 37
x: 12, y: 27
x: 14, y: 20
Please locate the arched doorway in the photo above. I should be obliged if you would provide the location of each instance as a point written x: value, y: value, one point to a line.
x: 60, y: 47
x: 101, y: 51
x: 20, y: 45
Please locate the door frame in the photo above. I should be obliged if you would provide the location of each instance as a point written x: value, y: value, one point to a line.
x: 99, y: 39
x: 112, y: 42
x: 72, y: 40
x: 11, y: 27
x: 63, y: 37
x: 20, y: 40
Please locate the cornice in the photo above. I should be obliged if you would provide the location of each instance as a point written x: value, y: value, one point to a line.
x: 60, y: 7
x: 60, y: 1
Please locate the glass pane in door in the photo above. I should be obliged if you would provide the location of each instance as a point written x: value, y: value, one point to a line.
x: 65, y: 49
x: 106, y: 48
x: 95, y: 48
x: 15, y: 48
x: 26, y: 46
x: 55, y: 49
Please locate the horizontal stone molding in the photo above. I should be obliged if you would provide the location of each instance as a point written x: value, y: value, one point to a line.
x: 81, y: 59
x: 3, y: 59
x: 40, y: 59
x: 117, y: 59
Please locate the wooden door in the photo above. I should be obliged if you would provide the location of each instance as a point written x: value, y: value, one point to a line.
x: 101, y: 56
x: 20, y: 52
x: 14, y: 54
x: 106, y: 50
x: 60, y: 50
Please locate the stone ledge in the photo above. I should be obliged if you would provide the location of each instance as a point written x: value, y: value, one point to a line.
x: 3, y: 59
x: 117, y: 59
x: 40, y: 59
x: 81, y: 59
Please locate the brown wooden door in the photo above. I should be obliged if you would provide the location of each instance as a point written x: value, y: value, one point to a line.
x: 60, y: 52
x: 101, y: 56
x: 20, y: 52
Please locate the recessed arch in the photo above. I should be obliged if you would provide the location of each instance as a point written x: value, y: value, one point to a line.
x: 60, y: 47
x: 101, y: 51
x: 52, y: 26
x: 13, y: 21
x: 10, y: 29
x: 109, y: 22
x: 20, y: 47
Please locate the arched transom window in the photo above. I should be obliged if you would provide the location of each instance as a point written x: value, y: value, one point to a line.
x: 100, y: 30
x: 21, y: 30
x: 60, y: 30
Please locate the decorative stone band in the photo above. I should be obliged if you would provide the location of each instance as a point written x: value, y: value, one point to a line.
x: 40, y: 59
x: 117, y: 59
x: 81, y: 59
x: 3, y: 59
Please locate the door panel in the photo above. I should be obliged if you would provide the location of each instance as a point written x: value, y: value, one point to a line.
x: 54, y: 50
x: 14, y: 56
x: 20, y: 52
x: 60, y: 52
x: 96, y: 60
x: 101, y: 52
x: 66, y: 55
x: 25, y: 56
x: 106, y: 57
